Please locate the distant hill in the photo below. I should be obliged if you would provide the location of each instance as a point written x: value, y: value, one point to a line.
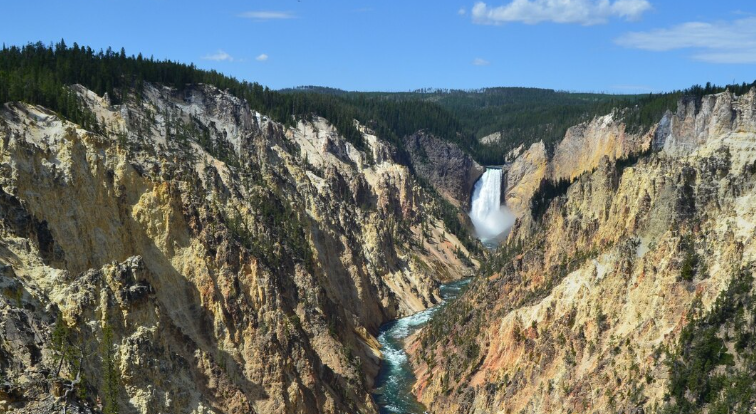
x: 518, y: 115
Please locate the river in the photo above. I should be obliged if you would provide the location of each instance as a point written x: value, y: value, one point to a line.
x: 393, y: 386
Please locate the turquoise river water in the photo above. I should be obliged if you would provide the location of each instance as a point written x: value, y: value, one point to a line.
x: 395, y: 379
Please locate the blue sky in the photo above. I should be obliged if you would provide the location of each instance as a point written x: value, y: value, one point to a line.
x: 618, y: 46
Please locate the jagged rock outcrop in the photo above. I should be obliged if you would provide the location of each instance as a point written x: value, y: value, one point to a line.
x: 582, y: 149
x: 695, y: 123
x: 192, y: 256
x: 575, y: 313
x: 445, y: 166
x: 524, y: 176
x: 492, y: 138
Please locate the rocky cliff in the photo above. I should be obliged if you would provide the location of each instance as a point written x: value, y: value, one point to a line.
x: 450, y: 170
x: 583, y: 310
x: 192, y: 256
x: 582, y: 149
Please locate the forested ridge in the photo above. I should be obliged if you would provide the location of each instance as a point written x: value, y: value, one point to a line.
x: 528, y: 115
x: 38, y: 73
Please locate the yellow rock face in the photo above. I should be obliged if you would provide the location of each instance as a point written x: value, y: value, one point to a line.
x: 204, y: 259
x: 577, y: 318
x: 582, y: 150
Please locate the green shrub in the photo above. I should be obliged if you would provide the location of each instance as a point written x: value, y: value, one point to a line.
x: 697, y: 382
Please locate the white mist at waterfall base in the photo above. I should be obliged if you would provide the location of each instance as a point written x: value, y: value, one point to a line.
x: 490, y: 218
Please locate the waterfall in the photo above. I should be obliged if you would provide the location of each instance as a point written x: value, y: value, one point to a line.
x: 489, y: 217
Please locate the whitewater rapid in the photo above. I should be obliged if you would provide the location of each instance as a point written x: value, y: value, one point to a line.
x: 490, y: 218
x: 393, y: 385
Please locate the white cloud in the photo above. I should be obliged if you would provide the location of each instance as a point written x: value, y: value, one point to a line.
x: 720, y: 42
x: 480, y: 62
x: 219, y: 56
x: 585, y: 12
x: 268, y: 15
x: 462, y: 11
x: 262, y: 58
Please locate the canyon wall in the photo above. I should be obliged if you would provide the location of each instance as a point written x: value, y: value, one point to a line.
x: 192, y: 256
x: 442, y: 164
x: 583, y: 310
x: 582, y: 150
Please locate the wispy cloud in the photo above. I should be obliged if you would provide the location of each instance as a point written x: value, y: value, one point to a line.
x: 584, y: 12
x: 268, y: 15
x: 462, y: 11
x: 480, y: 62
x: 262, y: 58
x: 720, y: 42
x: 219, y: 56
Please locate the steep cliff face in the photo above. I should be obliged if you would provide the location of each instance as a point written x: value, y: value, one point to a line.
x: 524, y: 176
x: 696, y: 123
x: 574, y: 314
x: 450, y: 170
x: 195, y: 257
x: 581, y: 150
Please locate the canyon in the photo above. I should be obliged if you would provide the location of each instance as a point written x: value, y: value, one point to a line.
x: 196, y: 257
x: 583, y: 308
x: 179, y: 251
